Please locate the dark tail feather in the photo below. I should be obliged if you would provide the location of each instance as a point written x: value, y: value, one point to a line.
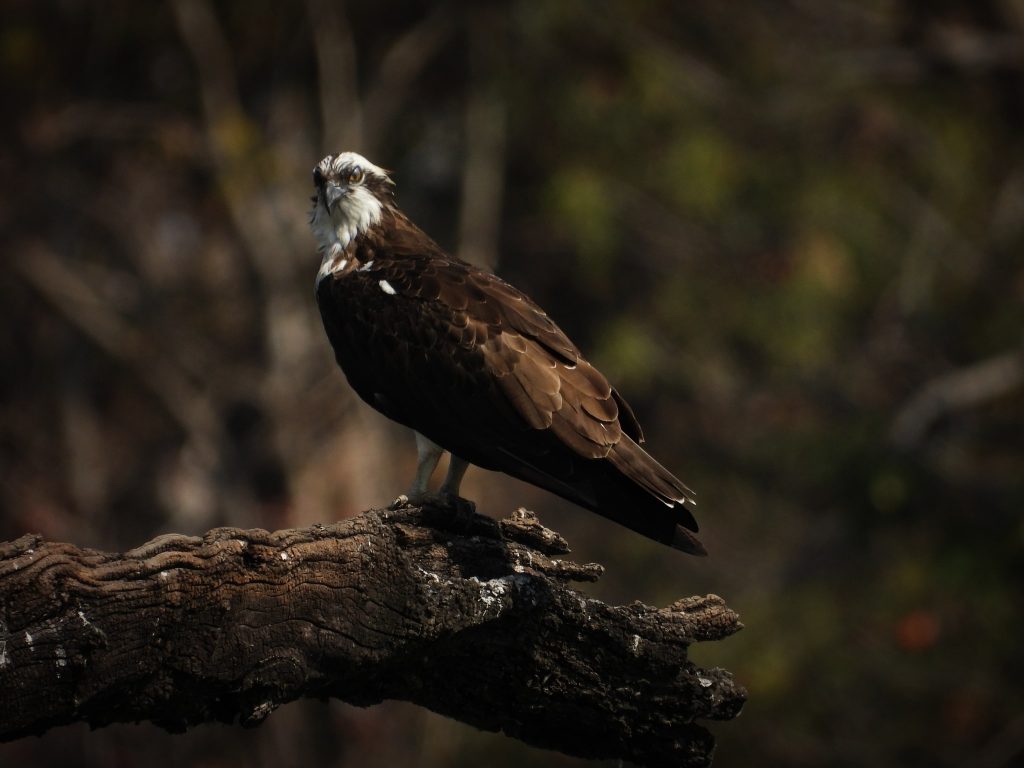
x: 602, y: 487
x: 642, y: 469
x: 687, y: 542
x: 621, y: 500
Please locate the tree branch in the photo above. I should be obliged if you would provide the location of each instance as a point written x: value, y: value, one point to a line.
x: 58, y: 283
x: 451, y: 610
x: 340, y: 106
x: 957, y: 390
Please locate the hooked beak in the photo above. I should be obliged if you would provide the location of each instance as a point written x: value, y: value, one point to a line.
x: 333, y: 192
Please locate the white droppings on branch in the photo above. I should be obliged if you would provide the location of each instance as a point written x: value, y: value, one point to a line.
x: 583, y: 606
x: 429, y: 574
x: 494, y: 591
x: 491, y: 592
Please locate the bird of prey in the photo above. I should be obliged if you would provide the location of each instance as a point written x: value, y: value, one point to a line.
x: 474, y: 366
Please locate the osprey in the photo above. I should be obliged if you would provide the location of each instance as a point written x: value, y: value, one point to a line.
x: 474, y: 366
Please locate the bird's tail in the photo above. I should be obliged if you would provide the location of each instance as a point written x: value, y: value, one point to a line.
x: 628, y: 486
x: 646, y: 497
x: 644, y: 470
x: 628, y: 504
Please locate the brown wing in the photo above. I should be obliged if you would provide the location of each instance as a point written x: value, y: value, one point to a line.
x: 471, y: 362
x: 552, y: 379
x: 540, y: 372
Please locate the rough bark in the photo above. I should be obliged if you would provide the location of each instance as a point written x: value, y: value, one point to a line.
x: 469, y: 617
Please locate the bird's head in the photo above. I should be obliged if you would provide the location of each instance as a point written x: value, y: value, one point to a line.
x: 351, y: 194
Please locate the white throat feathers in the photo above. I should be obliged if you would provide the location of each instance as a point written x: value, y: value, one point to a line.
x: 354, y: 210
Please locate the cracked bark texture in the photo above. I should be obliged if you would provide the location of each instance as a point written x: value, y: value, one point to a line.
x: 472, y: 618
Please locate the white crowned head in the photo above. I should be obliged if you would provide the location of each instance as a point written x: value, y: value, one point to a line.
x: 351, y: 193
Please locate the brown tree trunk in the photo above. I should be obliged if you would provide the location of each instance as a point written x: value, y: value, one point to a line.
x: 451, y: 610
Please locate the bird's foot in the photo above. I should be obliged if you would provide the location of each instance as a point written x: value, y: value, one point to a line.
x: 400, y: 502
x: 437, y: 500
x: 457, y: 503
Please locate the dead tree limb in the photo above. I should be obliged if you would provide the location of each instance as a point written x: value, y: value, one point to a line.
x: 451, y: 610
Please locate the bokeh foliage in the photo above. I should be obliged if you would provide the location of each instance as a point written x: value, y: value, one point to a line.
x: 791, y: 233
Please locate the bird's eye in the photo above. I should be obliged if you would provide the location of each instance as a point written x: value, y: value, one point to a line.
x: 355, y: 176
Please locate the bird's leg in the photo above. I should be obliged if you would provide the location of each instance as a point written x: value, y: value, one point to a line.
x: 428, y: 454
x: 456, y: 470
x: 448, y: 495
x: 450, y: 487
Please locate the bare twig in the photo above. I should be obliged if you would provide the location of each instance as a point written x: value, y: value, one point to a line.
x: 402, y: 64
x: 340, y: 105
x: 483, y: 172
x: 75, y: 299
x: 254, y: 202
x: 957, y: 390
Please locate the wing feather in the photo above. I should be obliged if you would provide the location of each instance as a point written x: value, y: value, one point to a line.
x: 526, y: 403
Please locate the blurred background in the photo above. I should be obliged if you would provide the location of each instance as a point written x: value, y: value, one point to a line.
x: 791, y: 233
